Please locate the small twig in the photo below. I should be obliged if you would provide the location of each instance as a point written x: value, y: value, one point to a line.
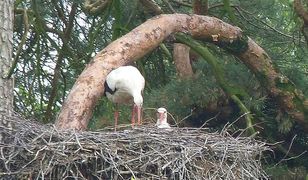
x: 189, y: 115
x: 287, y: 153
x: 35, y: 157
x: 209, y: 120
x: 77, y: 140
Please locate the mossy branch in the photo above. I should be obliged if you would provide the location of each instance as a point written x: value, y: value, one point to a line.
x: 219, y: 75
x: 96, y: 7
x: 248, y: 116
x: 228, y: 9
x: 165, y: 50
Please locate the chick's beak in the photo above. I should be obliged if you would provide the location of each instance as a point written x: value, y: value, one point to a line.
x: 161, y: 116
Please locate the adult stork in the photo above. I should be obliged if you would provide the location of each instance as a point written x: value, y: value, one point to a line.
x: 162, y: 118
x: 124, y: 85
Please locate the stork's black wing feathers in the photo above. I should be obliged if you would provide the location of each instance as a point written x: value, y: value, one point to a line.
x: 107, y: 89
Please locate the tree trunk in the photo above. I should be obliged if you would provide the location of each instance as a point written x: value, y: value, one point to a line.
x: 182, y: 60
x: 201, y: 7
x: 181, y: 52
x: 77, y: 109
x: 303, y: 14
x: 6, y: 47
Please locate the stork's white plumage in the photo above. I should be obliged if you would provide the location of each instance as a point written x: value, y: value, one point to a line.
x: 124, y: 85
x: 162, y: 118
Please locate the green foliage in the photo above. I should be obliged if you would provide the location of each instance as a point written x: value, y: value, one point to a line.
x: 285, y: 124
x: 283, y: 172
x: 298, y: 75
x: 229, y: 11
x: 180, y: 96
x: 255, y: 104
x: 103, y: 115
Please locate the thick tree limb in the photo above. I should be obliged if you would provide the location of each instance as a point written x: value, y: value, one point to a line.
x: 77, y: 109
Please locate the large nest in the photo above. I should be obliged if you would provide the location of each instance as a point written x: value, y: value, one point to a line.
x: 30, y: 150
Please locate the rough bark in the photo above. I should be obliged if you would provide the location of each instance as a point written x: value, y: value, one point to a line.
x: 6, y: 47
x: 300, y: 10
x: 77, y: 109
x: 182, y: 60
x: 201, y: 7
x: 303, y: 14
x: 181, y: 52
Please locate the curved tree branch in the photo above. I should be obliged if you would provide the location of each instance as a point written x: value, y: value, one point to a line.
x: 88, y: 88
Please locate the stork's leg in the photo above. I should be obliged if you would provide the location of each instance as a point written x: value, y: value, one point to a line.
x: 116, y: 117
x: 133, y: 115
x: 139, y: 114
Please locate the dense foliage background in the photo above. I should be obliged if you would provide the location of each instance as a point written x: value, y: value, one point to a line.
x: 54, y: 40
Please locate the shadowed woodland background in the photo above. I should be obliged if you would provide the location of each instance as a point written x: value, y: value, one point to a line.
x: 54, y: 40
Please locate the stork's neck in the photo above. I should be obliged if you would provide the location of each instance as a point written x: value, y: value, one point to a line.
x: 138, y: 99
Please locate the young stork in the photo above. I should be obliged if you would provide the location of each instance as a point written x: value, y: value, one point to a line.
x: 124, y: 85
x: 162, y: 118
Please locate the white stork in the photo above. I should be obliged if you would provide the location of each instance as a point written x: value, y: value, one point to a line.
x: 162, y: 118
x: 124, y: 85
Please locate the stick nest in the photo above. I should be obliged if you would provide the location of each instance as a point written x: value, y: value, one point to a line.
x: 34, y: 151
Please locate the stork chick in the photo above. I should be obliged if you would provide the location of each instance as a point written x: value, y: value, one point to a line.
x: 162, y: 118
